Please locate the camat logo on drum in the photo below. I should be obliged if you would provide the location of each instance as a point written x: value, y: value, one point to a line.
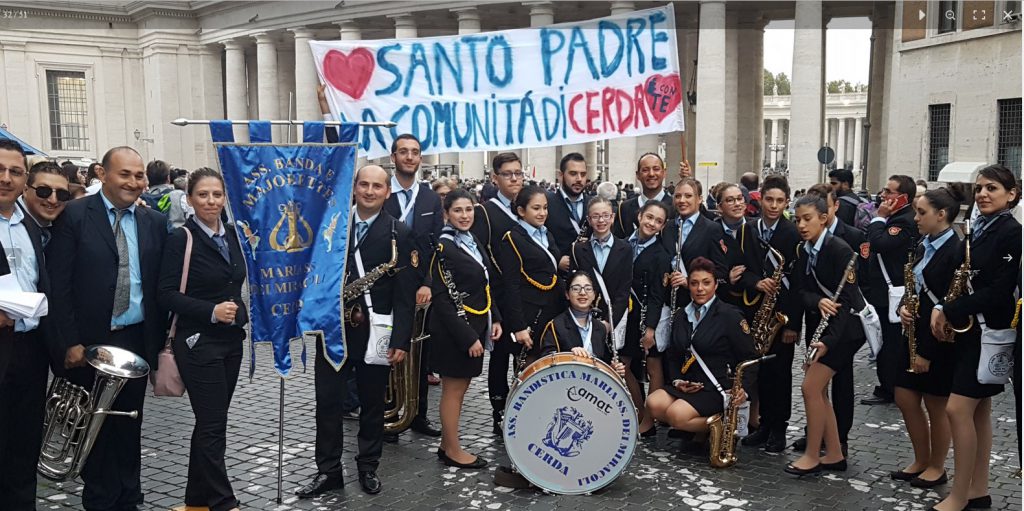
x: 577, y: 393
x: 568, y: 431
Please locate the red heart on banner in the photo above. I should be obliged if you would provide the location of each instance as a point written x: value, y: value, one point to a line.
x: 663, y: 92
x: 349, y: 73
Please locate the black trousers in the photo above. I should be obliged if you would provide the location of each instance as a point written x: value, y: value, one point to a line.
x: 887, y: 363
x: 112, y: 471
x: 497, y: 372
x: 22, y: 403
x: 210, y: 372
x: 775, y: 386
x: 371, y: 383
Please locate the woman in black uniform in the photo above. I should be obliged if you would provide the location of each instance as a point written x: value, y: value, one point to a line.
x: 528, y: 257
x: 821, y: 267
x: 579, y: 330
x: 460, y: 265
x: 995, y: 256
x: 925, y: 375
x: 650, y: 266
x: 718, y: 334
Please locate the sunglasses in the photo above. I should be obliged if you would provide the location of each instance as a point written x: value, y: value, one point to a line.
x: 44, y: 192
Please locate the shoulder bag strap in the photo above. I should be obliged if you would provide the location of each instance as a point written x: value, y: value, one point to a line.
x: 184, y: 280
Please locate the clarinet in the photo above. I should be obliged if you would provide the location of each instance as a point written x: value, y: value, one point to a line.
x: 643, y: 327
x: 823, y: 324
x: 449, y: 281
x: 608, y: 336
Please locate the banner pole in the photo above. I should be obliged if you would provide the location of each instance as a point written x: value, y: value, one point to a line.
x: 280, y: 441
x: 292, y: 122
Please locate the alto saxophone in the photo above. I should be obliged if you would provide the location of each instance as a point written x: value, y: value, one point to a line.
x: 354, y: 289
x: 911, y: 302
x: 767, y: 322
x: 722, y: 426
x: 823, y: 324
x: 957, y: 286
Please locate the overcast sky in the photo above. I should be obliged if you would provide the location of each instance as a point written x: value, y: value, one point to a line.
x: 847, y: 41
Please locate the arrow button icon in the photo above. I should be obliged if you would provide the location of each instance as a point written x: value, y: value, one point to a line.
x: 920, y: 15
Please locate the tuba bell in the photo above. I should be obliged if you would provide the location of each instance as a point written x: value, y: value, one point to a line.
x: 402, y: 397
x: 74, y: 416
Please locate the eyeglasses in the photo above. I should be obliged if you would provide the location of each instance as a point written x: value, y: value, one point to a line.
x: 602, y: 216
x: 578, y: 289
x: 44, y: 192
x: 734, y: 200
x: 510, y: 175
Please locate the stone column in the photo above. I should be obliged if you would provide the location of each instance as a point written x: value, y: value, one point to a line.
x: 267, y: 93
x: 470, y: 164
x: 857, y: 149
x: 749, y: 141
x: 775, y: 141
x: 623, y: 151
x: 349, y: 31
x: 306, y: 80
x: 236, y: 86
x: 711, y: 103
x: 543, y: 158
x: 808, y: 98
x: 841, y: 146
x: 405, y: 26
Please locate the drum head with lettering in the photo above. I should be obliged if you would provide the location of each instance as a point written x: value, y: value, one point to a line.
x: 570, y: 428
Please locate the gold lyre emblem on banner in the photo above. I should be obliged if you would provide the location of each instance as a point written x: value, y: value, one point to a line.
x: 293, y: 241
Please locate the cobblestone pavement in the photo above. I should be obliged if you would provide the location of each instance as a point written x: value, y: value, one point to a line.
x: 661, y: 475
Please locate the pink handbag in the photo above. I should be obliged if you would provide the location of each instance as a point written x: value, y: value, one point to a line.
x: 166, y: 379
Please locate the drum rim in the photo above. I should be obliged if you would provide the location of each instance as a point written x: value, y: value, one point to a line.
x: 519, y: 383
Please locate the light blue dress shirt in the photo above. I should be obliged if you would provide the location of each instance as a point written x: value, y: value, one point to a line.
x: 135, y: 312
x: 931, y: 246
x: 538, y: 233
x: 601, y: 250
x: 813, y: 249
x: 21, y: 256
x: 691, y: 312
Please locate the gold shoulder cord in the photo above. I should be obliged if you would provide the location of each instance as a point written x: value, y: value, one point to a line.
x: 1016, y: 316
x: 534, y: 283
x: 487, y: 290
x: 551, y: 326
x: 490, y: 251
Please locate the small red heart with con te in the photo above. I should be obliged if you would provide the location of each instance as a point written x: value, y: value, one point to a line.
x: 663, y: 94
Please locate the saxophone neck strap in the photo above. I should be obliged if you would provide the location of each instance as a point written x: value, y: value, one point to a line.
x: 707, y: 371
x: 362, y: 272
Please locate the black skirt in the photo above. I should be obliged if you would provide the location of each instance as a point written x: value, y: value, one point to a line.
x: 447, y: 358
x: 707, y: 402
x: 965, y: 371
x: 840, y: 355
x: 937, y: 381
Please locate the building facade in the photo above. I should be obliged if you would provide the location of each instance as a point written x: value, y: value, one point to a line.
x: 79, y: 78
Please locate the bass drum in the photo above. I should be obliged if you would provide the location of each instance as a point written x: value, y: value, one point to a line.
x: 570, y: 425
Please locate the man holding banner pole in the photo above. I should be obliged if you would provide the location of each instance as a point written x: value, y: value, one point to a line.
x: 374, y: 234
x: 416, y: 205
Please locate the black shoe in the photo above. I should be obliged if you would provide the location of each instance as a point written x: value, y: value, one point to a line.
x: 680, y: 434
x: 900, y: 475
x: 320, y: 484
x: 757, y: 438
x: 653, y: 431
x: 475, y: 464
x: 440, y: 454
x: 876, y: 400
x: 391, y: 438
x: 776, y: 441
x: 839, y: 466
x: 979, y: 502
x: 425, y: 427
x: 790, y: 469
x: 917, y: 482
x: 800, y: 445
x: 497, y: 428
x: 370, y: 482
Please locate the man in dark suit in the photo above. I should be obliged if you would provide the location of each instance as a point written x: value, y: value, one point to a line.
x: 491, y: 220
x: 567, y: 207
x: 774, y: 377
x: 892, y: 235
x: 25, y: 341
x: 416, y: 205
x: 650, y: 172
x: 371, y: 234
x: 841, y: 181
x: 104, y: 266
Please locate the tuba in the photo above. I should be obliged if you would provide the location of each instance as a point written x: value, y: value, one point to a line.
x: 74, y: 416
x: 767, y: 321
x: 722, y: 426
x: 401, y: 399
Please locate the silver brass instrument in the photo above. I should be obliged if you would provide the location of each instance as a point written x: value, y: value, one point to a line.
x: 768, y: 321
x: 74, y: 416
x: 957, y: 287
x: 850, y: 268
x: 353, y: 313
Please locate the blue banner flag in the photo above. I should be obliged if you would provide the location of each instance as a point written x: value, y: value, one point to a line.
x: 291, y: 206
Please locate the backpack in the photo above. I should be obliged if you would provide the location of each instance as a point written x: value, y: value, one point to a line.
x: 865, y: 211
x: 158, y: 198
